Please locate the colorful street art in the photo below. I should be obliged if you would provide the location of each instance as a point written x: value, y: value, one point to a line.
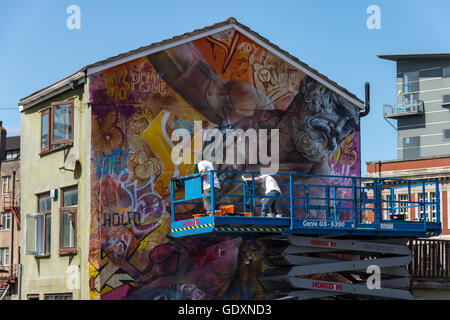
x: 225, y: 80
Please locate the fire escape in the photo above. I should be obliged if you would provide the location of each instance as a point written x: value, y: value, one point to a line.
x: 8, y: 274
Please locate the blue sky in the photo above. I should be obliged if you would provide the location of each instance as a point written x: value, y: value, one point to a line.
x: 37, y: 49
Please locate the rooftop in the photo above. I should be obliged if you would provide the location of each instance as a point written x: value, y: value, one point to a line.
x: 64, y: 84
x: 12, y: 143
x: 414, y: 56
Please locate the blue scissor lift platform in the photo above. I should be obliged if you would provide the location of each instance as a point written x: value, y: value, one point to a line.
x: 302, y: 202
x: 345, y: 230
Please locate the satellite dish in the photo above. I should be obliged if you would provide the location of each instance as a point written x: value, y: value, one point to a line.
x: 71, y: 162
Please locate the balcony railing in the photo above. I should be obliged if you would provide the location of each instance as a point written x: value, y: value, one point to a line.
x: 406, y: 109
x: 8, y: 200
x: 9, y: 272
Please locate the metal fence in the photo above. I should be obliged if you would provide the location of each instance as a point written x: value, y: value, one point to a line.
x: 431, y: 259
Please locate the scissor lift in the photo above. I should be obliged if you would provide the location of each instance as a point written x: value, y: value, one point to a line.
x: 330, y: 238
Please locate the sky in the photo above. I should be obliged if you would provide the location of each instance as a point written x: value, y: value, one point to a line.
x: 37, y: 49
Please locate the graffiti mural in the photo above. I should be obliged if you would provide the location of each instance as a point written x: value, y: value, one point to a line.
x: 225, y: 80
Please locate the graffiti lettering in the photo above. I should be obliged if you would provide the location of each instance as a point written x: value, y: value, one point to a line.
x: 186, y: 124
x: 112, y: 163
x: 117, y: 85
x: 122, y: 219
x: 147, y: 82
x: 248, y: 47
x: 120, y: 246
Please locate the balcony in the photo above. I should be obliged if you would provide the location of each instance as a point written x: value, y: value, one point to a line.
x: 412, y: 108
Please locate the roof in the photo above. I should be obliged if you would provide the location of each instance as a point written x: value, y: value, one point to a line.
x: 158, y: 46
x: 445, y: 156
x: 12, y: 143
x: 414, y: 56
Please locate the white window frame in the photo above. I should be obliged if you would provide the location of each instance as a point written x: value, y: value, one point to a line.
x: 3, y: 221
x: 403, y: 211
x: 39, y: 234
x: 5, y: 179
x: 430, y: 210
x: 4, y: 256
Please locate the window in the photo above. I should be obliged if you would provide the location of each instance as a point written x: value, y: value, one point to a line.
x: 430, y: 209
x: 68, y: 219
x: 431, y: 73
x: 402, y: 211
x: 57, y: 126
x: 410, y: 88
x: 4, y: 256
x: 34, y: 296
x: 446, y: 133
x: 446, y: 100
x: 58, y: 296
x: 410, y: 82
x: 5, y: 220
x: 38, y: 228
x: 12, y: 154
x: 411, y: 147
x: 5, y: 184
x: 45, y: 139
x: 446, y: 72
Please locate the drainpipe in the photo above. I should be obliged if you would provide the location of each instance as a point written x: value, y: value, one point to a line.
x: 19, y: 282
x: 367, y: 101
x: 379, y: 169
x: 13, y: 223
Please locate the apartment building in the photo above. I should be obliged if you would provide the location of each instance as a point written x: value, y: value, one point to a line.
x: 422, y: 107
x: 10, y: 222
x: 422, y: 118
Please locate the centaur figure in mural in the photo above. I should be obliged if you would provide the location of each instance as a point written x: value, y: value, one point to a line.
x: 310, y: 129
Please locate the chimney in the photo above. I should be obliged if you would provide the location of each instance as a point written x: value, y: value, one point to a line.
x: 2, y: 142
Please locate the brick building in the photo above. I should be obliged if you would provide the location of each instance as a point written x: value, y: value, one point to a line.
x: 9, y: 213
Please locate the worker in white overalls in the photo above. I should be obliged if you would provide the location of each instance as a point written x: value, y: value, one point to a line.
x: 204, y: 166
x: 270, y: 206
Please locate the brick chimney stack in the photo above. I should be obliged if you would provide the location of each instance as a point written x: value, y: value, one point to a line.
x: 2, y: 141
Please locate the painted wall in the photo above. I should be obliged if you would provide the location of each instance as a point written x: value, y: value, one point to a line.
x: 225, y: 80
x: 55, y: 274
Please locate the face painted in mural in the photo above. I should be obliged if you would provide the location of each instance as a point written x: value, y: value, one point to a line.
x: 227, y: 81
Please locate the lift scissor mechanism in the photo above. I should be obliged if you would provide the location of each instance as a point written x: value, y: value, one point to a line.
x: 318, y: 267
x: 332, y: 241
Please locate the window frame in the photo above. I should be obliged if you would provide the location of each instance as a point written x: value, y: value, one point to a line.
x: 8, y: 262
x: 443, y: 103
x: 8, y: 180
x: 444, y: 132
x: 2, y: 214
x: 54, y: 295
x: 54, y: 145
x: 12, y: 154
x: 400, y: 198
x: 44, y: 231
x: 33, y: 296
x: 60, y: 103
x: 444, y: 74
x: 46, y: 112
x: 74, y: 209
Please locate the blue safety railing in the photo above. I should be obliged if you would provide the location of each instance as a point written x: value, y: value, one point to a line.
x: 309, y: 204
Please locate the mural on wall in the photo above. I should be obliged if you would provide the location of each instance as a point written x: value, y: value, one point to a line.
x: 225, y: 80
